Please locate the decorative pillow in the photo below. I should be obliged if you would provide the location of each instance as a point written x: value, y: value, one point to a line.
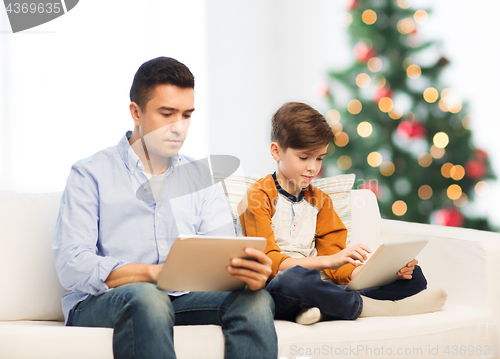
x: 234, y: 188
x: 337, y: 187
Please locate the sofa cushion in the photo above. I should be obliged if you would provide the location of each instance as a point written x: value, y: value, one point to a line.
x: 465, y: 329
x: 419, y: 336
x: 29, y: 283
x: 52, y: 340
x: 337, y: 187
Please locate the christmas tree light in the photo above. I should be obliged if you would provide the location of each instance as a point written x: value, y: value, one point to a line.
x: 421, y: 17
x: 374, y: 64
x: 425, y: 192
x: 365, y: 129
x: 431, y: 95
x: 387, y: 168
x: 437, y: 152
x: 369, y: 17
x: 399, y: 208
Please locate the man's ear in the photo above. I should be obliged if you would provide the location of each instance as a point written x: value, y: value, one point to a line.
x: 275, y: 151
x: 135, y: 110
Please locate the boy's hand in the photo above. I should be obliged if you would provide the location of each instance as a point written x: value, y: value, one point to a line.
x: 254, y: 272
x: 407, y: 271
x: 350, y: 254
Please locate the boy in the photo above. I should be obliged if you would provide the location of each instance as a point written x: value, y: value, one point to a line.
x: 305, y: 235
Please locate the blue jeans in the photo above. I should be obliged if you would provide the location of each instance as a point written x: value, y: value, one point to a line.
x: 298, y: 287
x: 143, y: 318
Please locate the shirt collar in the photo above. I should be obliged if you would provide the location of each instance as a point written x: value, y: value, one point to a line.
x: 285, y: 193
x: 131, y: 159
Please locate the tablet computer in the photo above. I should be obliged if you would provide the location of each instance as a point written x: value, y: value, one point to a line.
x: 384, y: 264
x: 199, y: 263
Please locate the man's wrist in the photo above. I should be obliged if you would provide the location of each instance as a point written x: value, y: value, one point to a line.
x: 154, y: 272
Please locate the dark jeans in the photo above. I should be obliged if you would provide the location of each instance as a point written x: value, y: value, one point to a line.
x: 298, y: 287
x: 143, y: 318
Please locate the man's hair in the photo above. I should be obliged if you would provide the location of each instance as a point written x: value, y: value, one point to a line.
x: 159, y: 71
x: 299, y: 126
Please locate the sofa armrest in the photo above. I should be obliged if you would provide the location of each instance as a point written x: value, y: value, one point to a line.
x: 465, y: 262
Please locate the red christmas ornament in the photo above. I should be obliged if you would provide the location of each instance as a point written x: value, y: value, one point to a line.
x: 385, y: 91
x: 353, y: 4
x: 363, y: 52
x: 475, y: 169
x: 481, y: 155
x: 449, y: 217
x: 411, y: 129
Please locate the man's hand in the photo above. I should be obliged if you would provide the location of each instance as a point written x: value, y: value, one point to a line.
x: 407, y: 271
x: 350, y: 254
x: 253, y: 272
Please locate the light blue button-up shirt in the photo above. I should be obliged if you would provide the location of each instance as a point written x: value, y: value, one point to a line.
x: 108, y: 217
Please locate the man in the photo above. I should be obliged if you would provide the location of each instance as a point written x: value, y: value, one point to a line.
x: 120, y: 212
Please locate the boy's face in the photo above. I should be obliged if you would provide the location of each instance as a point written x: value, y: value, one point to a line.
x: 297, y: 168
x: 164, y: 123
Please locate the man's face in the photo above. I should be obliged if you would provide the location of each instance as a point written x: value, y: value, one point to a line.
x: 164, y: 123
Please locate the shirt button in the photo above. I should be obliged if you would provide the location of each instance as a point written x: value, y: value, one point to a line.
x: 158, y: 215
x: 139, y: 164
x: 132, y: 171
x: 145, y: 186
x: 162, y: 247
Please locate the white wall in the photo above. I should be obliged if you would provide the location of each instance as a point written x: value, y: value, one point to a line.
x: 65, y: 84
x: 4, y: 85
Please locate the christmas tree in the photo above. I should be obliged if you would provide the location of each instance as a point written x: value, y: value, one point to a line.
x: 404, y: 134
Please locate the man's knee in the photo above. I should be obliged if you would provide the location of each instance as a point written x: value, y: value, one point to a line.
x: 257, y: 305
x: 148, y: 301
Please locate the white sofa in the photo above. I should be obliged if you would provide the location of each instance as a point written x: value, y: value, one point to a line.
x: 464, y: 262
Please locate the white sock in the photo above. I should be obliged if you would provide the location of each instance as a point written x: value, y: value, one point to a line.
x: 308, y: 316
x: 427, y: 301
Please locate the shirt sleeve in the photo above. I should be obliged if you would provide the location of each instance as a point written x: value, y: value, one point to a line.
x: 74, y: 245
x: 216, y: 218
x: 255, y: 211
x: 331, y: 239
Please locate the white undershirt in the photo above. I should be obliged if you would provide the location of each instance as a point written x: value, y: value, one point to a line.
x: 156, y: 182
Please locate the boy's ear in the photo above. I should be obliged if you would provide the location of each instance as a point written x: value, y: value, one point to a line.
x: 275, y: 151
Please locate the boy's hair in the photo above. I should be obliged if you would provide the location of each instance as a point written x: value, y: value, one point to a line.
x: 159, y: 71
x: 299, y: 126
